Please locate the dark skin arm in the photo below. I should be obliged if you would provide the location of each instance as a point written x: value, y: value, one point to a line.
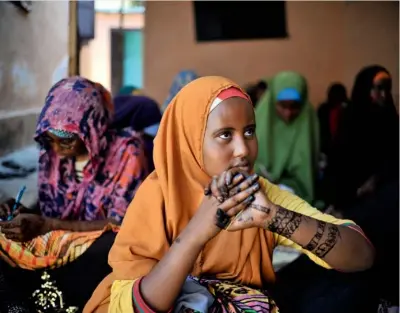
x: 26, y: 226
x: 341, y: 247
x: 173, y: 268
x: 77, y: 226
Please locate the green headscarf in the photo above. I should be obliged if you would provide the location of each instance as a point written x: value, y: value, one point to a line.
x: 288, y: 152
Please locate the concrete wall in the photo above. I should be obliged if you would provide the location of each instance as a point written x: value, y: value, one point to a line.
x: 33, y: 55
x: 328, y: 41
x: 95, y: 62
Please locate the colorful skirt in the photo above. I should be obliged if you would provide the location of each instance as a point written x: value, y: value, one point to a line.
x: 233, y: 298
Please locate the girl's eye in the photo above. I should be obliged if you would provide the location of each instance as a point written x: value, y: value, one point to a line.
x: 225, y: 135
x: 67, y: 141
x: 249, y: 132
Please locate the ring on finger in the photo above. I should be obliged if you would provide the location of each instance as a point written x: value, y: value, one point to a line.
x: 223, y: 219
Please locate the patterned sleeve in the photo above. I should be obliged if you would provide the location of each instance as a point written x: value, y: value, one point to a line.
x: 291, y: 202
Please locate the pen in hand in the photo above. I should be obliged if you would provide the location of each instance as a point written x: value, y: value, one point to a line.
x: 17, y: 202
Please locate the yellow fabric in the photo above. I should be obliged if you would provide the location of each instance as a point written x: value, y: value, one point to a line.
x: 121, y: 297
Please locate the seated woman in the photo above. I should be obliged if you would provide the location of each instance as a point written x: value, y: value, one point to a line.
x: 200, y: 233
x: 287, y: 132
x: 143, y: 115
x: 364, y: 157
x: 88, y: 174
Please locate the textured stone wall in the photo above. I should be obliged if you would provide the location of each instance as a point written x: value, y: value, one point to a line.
x: 33, y: 55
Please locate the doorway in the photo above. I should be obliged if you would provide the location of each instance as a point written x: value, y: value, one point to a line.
x: 133, y: 58
x: 126, y: 58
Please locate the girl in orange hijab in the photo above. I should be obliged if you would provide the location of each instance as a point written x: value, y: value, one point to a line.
x: 200, y: 232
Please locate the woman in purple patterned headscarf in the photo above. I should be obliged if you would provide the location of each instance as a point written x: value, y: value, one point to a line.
x: 88, y: 175
x: 87, y: 172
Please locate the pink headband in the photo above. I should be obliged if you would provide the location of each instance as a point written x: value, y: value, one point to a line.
x: 226, y: 94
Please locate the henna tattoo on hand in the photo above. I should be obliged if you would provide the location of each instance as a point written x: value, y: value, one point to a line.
x: 285, y: 222
x: 260, y: 208
x: 292, y: 225
x: 317, y: 237
x: 331, y: 240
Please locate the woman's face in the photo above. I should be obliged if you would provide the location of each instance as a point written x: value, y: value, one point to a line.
x: 381, y: 91
x: 71, y: 147
x: 230, y: 139
x: 288, y: 110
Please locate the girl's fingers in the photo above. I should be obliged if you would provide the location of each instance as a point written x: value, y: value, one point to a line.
x: 240, y: 197
x: 244, y: 185
x: 237, y: 179
x: 228, y: 177
x: 240, y: 207
x: 214, y: 189
x: 222, y: 187
x: 231, y: 174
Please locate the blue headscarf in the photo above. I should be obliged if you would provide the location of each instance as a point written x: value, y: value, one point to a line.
x: 138, y: 112
x: 181, y: 80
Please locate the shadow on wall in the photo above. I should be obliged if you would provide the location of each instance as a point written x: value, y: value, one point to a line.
x: 33, y: 52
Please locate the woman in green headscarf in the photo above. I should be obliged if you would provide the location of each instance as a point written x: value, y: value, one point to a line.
x: 287, y: 132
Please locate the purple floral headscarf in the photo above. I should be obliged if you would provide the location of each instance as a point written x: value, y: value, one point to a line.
x: 116, y: 164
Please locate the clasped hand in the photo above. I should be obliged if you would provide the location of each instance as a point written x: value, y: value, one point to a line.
x: 238, y: 197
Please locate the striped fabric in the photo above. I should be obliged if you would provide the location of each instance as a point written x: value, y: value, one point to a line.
x: 55, y: 249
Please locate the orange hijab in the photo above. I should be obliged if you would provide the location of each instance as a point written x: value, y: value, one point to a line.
x: 170, y: 196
